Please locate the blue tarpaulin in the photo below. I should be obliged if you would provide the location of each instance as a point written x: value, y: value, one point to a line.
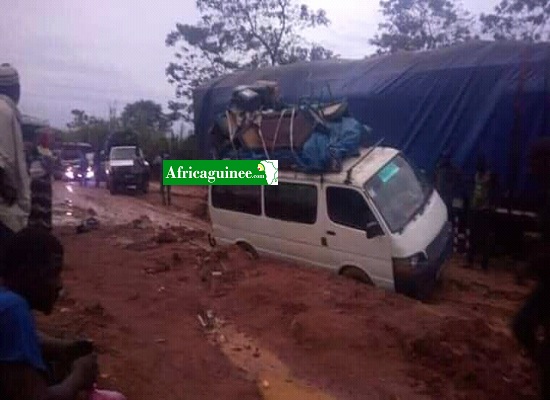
x: 462, y: 100
x: 343, y: 141
x: 323, y: 151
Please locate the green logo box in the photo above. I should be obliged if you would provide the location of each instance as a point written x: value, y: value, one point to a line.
x: 220, y: 172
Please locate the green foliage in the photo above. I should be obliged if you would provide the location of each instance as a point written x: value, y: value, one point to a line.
x: 145, y: 116
x: 80, y: 119
x: 85, y: 128
x: 147, y: 119
x: 518, y: 19
x: 234, y: 34
x: 421, y: 25
x: 185, y: 148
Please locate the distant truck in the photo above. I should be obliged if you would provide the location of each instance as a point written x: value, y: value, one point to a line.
x: 125, y: 164
x: 478, y: 97
x: 68, y: 159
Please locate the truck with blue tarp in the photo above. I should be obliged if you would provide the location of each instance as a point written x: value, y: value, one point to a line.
x: 479, y: 97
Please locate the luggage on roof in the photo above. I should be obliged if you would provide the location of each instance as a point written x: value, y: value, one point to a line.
x: 459, y: 100
x: 125, y: 137
x: 305, y: 137
x: 261, y: 95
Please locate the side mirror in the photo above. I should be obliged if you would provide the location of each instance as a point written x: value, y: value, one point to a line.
x: 374, y: 229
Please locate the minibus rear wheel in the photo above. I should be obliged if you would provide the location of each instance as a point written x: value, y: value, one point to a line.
x: 356, y: 274
x: 251, y: 251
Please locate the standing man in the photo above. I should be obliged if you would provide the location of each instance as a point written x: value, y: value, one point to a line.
x: 448, y: 183
x: 97, y: 167
x: 41, y: 170
x: 83, y: 168
x: 157, y: 166
x: 480, y: 216
x: 166, y: 198
x: 15, y: 191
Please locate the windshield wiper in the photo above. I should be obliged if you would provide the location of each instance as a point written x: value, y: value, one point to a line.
x: 418, y: 211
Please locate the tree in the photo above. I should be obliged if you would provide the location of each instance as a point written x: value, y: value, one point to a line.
x: 147, y: 119
x: 421, y: 25
x: 114, y: 120
x: 185, y: 149
x: 145, y: 116
x: 518, y: 19
x: 234, y: 34
x: 97, y: 131
x: 87, y: 128
x: 80, y: 119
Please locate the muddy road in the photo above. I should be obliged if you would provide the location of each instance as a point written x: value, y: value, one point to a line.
x: 174, y: 318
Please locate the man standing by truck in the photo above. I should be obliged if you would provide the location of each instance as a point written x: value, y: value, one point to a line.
x: 165, y: 190
x: 480, y: 220
x: 83, y: 166
x: 448, y: 182
x: 97, y: 168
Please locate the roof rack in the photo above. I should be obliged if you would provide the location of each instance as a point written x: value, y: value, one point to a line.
x: 350, y: 170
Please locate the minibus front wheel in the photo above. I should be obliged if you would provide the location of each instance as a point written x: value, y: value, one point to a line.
x: 249, y: 249
x: 356, y: 274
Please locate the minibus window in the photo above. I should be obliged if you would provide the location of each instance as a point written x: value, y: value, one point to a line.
x: 245, y: 199
x: 291, y: 202
x: 348, y: 207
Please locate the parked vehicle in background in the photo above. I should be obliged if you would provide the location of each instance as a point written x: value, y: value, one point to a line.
x: 127, y: 167
x: 68, y: 162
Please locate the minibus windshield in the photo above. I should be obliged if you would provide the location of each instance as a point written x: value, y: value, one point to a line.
x: 399, y: 192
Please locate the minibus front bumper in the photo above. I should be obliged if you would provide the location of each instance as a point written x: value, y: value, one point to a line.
x: 417, y: 276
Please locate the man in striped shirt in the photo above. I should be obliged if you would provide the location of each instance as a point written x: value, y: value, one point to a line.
x: 41, y: 169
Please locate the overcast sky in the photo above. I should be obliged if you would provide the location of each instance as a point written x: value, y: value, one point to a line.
x: 90, y: 54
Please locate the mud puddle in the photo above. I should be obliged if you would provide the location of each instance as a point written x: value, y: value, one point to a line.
x: 272, y: 376
x: 65, y: 213
x: 112, y: 210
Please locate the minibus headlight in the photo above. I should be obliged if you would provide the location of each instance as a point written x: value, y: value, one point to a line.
x: 413, y: 261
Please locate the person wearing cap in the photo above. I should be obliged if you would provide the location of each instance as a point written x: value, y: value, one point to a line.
x: 15, y: 191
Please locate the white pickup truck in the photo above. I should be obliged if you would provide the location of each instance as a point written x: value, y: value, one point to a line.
x: 127, y: 167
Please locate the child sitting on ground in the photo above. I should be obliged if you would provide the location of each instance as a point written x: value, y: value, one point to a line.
x: 31, y: 271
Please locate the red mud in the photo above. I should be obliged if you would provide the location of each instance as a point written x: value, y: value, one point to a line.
x: 138, y: 297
